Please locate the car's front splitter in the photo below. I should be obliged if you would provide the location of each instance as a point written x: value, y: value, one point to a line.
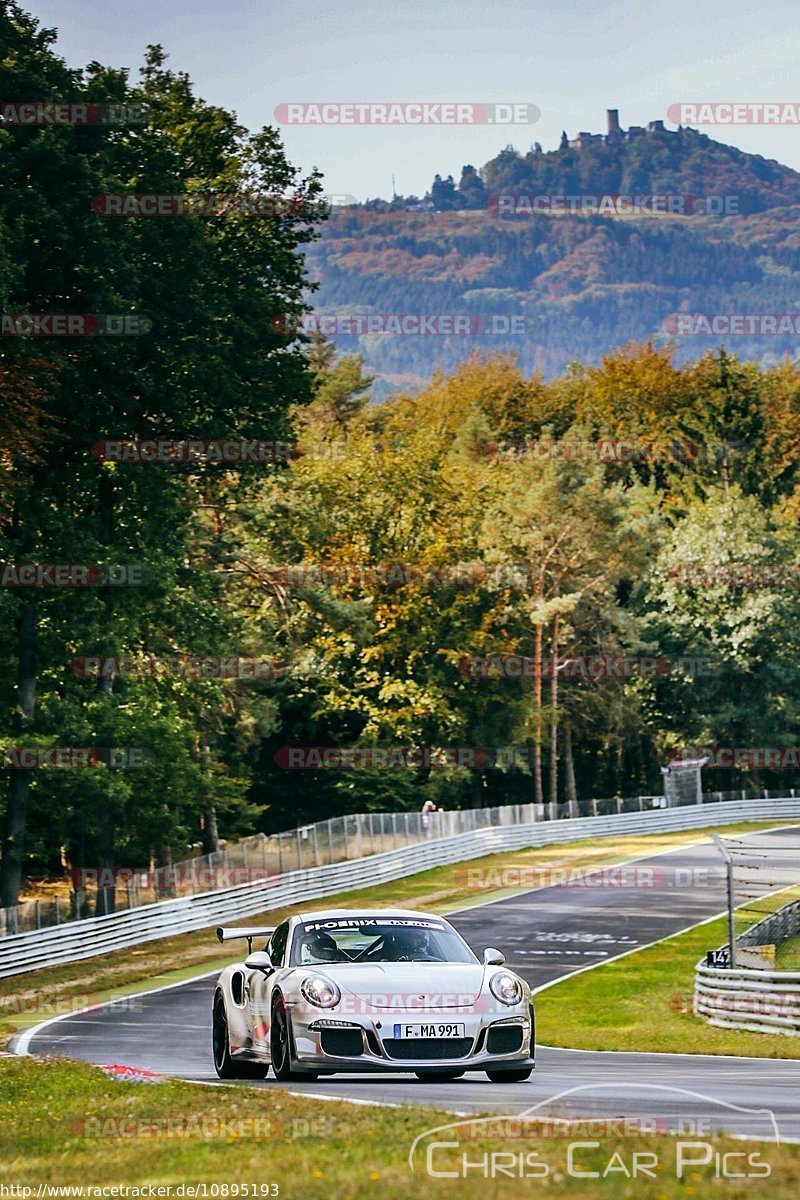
x: 315, y: 1041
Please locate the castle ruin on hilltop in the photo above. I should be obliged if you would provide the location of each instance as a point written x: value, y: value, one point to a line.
x: 614, y: 135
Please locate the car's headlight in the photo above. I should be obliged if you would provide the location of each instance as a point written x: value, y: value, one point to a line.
x: 321, y: 992
x: 506, y: 988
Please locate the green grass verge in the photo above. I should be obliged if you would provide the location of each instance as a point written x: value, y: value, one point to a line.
x: 33, y: 997
x: 66, y: 1124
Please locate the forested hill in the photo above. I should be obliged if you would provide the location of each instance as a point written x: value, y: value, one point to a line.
x: 680, y: 162
x: 576, y: 284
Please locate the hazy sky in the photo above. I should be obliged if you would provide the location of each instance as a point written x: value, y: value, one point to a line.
x: 572, y: 59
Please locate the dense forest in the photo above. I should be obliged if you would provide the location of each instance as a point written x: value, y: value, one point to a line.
x: 354, y: 578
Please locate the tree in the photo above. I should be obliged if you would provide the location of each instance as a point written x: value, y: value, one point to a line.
x: 470, y: 188
x: 704, y: 598
x: 212, y: 366
x: 576, y: 538
x: 443, y: 193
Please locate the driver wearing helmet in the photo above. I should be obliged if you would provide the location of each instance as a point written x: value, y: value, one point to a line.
x: 406, y: 945
x: 320, y: 947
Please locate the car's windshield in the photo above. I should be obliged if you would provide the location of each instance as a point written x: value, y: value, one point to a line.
x: 377, y: 939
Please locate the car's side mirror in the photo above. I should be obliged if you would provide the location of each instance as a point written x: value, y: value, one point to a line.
x: 259, y: 960
x: 493, y: 958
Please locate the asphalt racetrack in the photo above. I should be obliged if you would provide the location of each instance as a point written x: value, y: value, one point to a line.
x: 546, y: 934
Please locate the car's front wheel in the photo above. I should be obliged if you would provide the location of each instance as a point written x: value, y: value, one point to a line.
x: 225, y: 1065
x: 279, y: 1044
x: 512, y: 1075
x: 438, y: 1076
x: 281, y: 1047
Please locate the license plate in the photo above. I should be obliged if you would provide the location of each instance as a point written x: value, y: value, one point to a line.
x: 433, y: 1029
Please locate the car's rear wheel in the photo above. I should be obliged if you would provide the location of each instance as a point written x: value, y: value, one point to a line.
x: 515, y: 1075
x: 438, y: 1076
x: 225, y: 1065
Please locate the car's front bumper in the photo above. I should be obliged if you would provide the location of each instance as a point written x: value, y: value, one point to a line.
x: 366, y: 1042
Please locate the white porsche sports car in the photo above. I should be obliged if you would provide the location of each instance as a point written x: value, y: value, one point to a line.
x: 365, y: 991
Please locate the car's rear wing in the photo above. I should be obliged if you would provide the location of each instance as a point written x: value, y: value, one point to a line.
x: 244, y: 931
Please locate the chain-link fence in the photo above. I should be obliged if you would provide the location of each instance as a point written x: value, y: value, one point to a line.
x: 757, y: 873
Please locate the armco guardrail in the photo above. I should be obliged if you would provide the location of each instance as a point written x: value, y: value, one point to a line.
x: 765, y: 1001
x: 338, y: 839
x: 354, y: 835
x: 101, y: 935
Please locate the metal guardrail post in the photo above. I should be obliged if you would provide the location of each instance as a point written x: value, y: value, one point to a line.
x: 718, y: 842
